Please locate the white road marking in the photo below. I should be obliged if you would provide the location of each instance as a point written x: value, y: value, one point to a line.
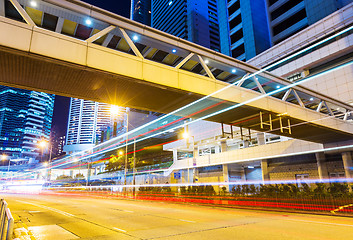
x: 33, y: 211
x: 187, y: 220
x: 128, y: 211
x: 328, y: 223
x: 48, y: 208
x: 121, y: 230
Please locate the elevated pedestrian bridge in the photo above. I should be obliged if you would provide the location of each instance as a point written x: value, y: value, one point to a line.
x: 74, y: 49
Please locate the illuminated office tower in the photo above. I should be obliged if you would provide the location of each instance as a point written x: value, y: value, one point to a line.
x: 255, y: 26
x: 25, y: 119
x: 141, y: 11
x: 200, y: 21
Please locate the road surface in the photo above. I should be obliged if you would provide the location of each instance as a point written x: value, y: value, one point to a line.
x: 81, y: 217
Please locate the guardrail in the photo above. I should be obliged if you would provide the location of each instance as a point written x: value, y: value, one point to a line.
x: 6, y: 222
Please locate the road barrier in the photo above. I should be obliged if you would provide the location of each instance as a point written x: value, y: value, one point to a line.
x: 6, y: 222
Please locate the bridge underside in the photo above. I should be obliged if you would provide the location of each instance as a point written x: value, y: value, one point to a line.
x: 34, y: 72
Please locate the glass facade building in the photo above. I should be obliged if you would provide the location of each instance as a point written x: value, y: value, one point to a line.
x: 25, y: 119
x: 141, y: 11
x: 258, y: 25
x: 238, y: 28
x: 198, y: 21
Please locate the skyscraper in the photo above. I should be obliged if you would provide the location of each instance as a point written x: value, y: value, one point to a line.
x: 199, y: 21
x: 258, y: 25
x: 141, y: 11
x: 88, y: 123
x: 25, y: 119
x: 238, y: 28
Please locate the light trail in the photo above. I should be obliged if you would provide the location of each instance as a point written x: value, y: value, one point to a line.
x: 244, y: 77
x: 109, y: 148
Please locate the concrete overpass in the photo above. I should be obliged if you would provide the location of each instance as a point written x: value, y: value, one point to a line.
x: 74, y: 49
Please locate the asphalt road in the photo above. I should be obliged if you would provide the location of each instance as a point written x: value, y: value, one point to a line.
x: 68, y: 217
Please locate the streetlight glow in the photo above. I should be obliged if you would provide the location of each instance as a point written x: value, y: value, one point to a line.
x: 121, y: 153
x: 3, y: 157
x: 186, y: 135
x: 42, y: 143
x: 33, y: 4
x: 114, y: 109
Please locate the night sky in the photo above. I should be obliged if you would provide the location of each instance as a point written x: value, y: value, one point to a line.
x: 62, y: 104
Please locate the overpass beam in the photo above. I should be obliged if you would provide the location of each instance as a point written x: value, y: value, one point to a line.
x: 321, y: 165
x: 131, y: 43
x: 2, y: 8
x: 23, y: 13
x: 59, y: 25
x: 100, y: 34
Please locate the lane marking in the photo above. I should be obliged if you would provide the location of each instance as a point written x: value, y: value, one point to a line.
x: 121, y: 230
x: 48, y: 208
x: 187, y: 221
x: 128, y: 211
x: 328, y: 223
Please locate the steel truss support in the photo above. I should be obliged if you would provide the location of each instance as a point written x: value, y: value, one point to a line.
x: 288, y: 127
x: 263, y: 123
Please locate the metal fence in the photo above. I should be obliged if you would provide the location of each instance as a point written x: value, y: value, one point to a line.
x: 6, y: 222
x: 325, y: 198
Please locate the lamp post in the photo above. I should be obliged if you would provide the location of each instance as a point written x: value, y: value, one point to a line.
x: 44, y: 144
x: 126, y: 142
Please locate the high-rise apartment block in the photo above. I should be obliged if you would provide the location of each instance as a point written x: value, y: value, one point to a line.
x: 88, y: 123
x: 25, y: 119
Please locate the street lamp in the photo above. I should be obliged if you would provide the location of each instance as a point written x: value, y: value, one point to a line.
x: 116, y: 110
x: 44, y: 144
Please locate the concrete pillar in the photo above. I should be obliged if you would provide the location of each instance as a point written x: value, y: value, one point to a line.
x: 223, y: 145
x: 195, y: 151
x: 261, y: 138
x: 246, y: 143
x: 196, y: 175
x: 226, y: 175
x: 264, y: 170
x: 175, y: 155
x: 321, y: 165
x: 348, y: 164
x: 2, y: 8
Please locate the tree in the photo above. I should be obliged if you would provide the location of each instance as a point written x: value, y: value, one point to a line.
x: 115, y: 163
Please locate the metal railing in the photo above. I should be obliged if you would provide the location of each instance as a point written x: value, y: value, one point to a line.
x: 6, y: 222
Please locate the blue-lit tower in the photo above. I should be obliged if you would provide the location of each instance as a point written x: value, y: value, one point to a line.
x: 25, y: 119
x: 200, y: 21
x: 141, y: 11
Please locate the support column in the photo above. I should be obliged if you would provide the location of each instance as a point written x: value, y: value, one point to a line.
x: 321, y: 165
x: 226, y: 175
x: 175, y: 155
x: 264, y: 170
x: 2, y: 8
x: 223, y: 145
x: 246, y: 143
x: 348, y: 164
x: 195, y: 151
x: 261, y: 138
